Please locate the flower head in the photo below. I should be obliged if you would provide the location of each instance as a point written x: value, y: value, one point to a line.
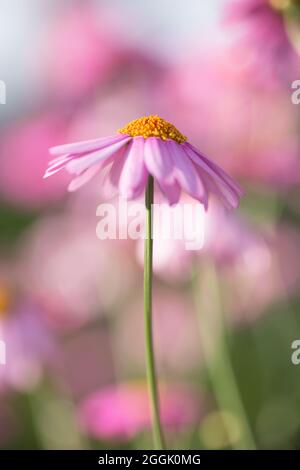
x: 147, y: 146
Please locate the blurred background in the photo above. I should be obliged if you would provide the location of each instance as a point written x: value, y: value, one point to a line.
x: 71, y: 311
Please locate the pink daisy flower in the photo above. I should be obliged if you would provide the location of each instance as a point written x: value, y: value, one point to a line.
x: 147, y: 146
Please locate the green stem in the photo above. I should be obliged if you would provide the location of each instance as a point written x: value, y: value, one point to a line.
x: 150, y: 362
x: 223, y: 379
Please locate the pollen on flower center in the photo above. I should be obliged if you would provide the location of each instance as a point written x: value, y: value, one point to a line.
x: 153, y: 126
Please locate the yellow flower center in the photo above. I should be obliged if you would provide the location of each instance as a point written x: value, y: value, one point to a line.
x: 153, y: 126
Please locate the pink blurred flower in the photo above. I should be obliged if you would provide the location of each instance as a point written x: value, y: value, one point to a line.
x: 238, y: 237
x: 122, y: 411
x: 75, y: 275
x: 29, y: 346
x: 264, y: 42
x: 80, y: 50
x: 131, y: 94
x: 147, y: 146
x: 85, y: 52
x: 264, y: 273
x: 260, y: 140
x: 24, y: 149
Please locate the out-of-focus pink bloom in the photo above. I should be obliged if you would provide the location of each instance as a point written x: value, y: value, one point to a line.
x: 264, y: 44
x: 133, y: 93
x: 74, y: 274
x: 80, y: 50
x: 28, y: 343
x: 24, y: 153
x: 229, y: 237
x: 147, y: 146
x: 84, y: 50
x: 263, y: 274
x: 122, y: 411
x: 174, y: 321
x: 260, y: 140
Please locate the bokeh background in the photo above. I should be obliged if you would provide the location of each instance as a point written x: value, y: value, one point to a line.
x: 71, y: 305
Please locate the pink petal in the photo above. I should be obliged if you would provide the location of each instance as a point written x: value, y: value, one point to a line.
x: 157, y: 159
x: 217, y: 182
x: 117, y: 167
x: 185, y: 172
x: 78, y: 165
x: 82, y: 179
x: 171, y: 192
x: 57, y: 160
x: 229, y: 198
x: 57, y: 166
x: 87, y: 145
x: 217, y: 169
x: 134, y: 174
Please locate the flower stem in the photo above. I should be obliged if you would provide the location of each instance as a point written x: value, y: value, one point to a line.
x: 150, y: 362
x: 222, y: 375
